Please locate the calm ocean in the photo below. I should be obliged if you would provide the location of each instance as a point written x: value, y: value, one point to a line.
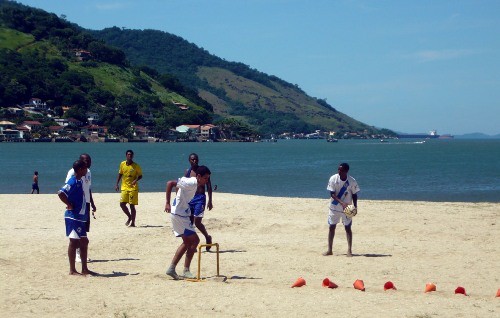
x: 437, y: 170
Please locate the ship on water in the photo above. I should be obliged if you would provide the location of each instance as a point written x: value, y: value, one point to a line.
x: 431, y: 135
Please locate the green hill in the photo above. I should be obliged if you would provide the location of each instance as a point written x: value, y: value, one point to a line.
x: 132, y: 77
x: 39, y: 59
x: 234, y: 90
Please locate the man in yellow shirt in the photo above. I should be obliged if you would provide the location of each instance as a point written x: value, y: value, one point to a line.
x: 131, y: 173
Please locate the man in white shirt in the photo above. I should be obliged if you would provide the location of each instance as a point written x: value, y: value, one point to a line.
x: 89, y: 201
x: 343, y: 191
x: 181, y: 218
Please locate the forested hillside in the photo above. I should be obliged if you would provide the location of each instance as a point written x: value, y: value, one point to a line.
x: 133, y: 77
x: 233, y: 89
x: 43, y: 56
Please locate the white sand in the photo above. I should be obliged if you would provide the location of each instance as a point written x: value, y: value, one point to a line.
x: 266, y: 244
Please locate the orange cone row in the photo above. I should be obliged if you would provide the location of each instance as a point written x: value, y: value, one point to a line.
x: 360, y: 285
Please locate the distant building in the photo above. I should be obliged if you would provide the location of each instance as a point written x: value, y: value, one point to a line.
x: 8, y: 131
x: 32, y: 124
x: 82, y: 55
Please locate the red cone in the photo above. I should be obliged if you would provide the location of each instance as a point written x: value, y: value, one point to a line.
x: 359, y: 284
x: 460, y: 290
x: 430, y: 287
x: 299, y: 282
x: 329, y: 284
x: 389, y: 285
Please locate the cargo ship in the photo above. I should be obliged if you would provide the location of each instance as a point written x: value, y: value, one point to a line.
x: 431, y: 135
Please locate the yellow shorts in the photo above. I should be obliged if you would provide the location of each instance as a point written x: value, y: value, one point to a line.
x: 131, y: 197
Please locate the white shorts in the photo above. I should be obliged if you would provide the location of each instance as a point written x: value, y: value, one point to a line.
x: 181, y: 225
x: 334, y: 218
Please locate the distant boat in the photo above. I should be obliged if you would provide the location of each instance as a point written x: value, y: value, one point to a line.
x: 332, y: 140
x: 383, y: 140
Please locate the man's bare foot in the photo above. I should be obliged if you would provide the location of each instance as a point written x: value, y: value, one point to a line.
x: 132, y: 225
x: 74, y: 273
x: 89, y: 272
x: 209, y: 241
x: 327, y: 253
x: 128, y: 222
x: 349, y: 254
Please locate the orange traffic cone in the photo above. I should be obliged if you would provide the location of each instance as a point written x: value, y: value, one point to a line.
x: 389, y: 285
x: 430, y: 287
x: 329, y: 284
x: 498, y: 293
x: 359, y: 284
x: 299, y: 282
x: 460, y: 290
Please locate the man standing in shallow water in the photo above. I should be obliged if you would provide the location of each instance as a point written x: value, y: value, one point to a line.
x: 343, y: 191
x: 34, y: 186
x: 131, y: 173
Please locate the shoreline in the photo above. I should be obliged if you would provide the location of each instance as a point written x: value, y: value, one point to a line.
x: 402, y: 201
x: 266, y: 244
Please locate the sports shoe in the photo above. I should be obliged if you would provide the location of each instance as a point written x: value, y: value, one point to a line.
x: 188, y: 274
x: 171, y: 272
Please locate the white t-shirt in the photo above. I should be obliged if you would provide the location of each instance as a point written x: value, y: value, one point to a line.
x: 187, y: 189
x: 86, y: 181
x: 335, y: 184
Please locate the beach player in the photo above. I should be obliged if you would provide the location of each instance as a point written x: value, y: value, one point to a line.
x: 34, y: 185
x: 87, y: 190
x: 199, y: 200
x: 181, y: 218
x: 343, y: 191
x: 75, y: 217
x: 131, y: 173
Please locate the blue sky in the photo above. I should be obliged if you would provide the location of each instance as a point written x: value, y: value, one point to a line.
x: 410, y: 66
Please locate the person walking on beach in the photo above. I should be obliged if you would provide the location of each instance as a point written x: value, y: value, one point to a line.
x: 87, y: 190
x: 197, y: 204
x: 343, y: 191
x: 75, y: 216
x: 131, y: 173
x: 34, y: 185
x: 181, y: 218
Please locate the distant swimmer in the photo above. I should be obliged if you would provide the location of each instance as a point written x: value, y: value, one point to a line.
x: 34, y: 185
x: 131, y: 173
x: 343, y: 191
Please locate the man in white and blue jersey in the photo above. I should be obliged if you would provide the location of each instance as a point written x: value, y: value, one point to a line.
x: 181, y: 218
x: 87, y: 190
x: 343, y: 191
x: 75, y: 216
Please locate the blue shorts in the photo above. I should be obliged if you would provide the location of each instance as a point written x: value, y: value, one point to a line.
x: 34, y: 186
x: 197, y: 205
x: 75, y: 229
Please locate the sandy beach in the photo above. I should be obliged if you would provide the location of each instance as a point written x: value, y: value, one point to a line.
x: 265, y: 245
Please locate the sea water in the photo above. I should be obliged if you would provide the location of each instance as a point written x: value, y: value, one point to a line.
x: 434, y: 170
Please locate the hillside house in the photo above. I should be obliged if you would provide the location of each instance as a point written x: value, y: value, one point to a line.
x: 75, y: 122
x: 92, y: 117
x: 37, y: 103
x: 56, y: 130
x: 181, y: 106
x: 82, y: 55
x: 207, y: 132
x: 94, y: 130
x: 9, y: 132
x: 141, y: 132
x: 32, y: 124
x: 62, y: 121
